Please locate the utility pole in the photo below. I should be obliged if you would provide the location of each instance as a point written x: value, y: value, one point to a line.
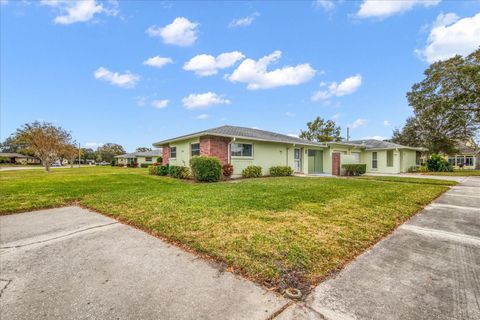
x: 79, y: 154
x: 348, y: 134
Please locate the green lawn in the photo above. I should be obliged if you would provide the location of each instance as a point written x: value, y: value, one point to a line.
x: 280, y: 232
x: 458, y: 173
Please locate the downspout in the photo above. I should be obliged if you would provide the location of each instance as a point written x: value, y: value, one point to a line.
x: 229, y: 157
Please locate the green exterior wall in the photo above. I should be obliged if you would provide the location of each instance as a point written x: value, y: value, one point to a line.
x: 183, y: 152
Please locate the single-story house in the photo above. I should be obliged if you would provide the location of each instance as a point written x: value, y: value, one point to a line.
x: 11, y: 157
x: 242, y: 147
x: 148, y: 157
x: 467, y: 157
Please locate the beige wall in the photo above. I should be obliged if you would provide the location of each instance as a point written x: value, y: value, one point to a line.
x: 183, y: 152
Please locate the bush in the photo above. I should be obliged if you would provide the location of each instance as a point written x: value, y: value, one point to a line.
x: 422, y: 168
x: 120, y: 164
x: 144, y: 165
x: 227, y: 170
x: 252, y: 172
x: 112, y: 163
x: 207, y: 169
x: 135, y: 165
x: 354, y: 169
x: 280, y: 171
x: 163, y: 170
x: 152, y: 170
x: 436, y: 163
x: 159, y: 160
x: 179, y: 172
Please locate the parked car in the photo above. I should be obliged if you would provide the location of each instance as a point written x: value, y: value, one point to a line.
x: 103, y: 163
x: 56, y: 164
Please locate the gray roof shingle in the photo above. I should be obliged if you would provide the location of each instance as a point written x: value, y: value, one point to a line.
x: 379, y: 144
x: 153, y: 153
x: 247, y: 133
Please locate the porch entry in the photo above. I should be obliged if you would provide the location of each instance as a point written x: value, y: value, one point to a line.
x: 315, y: 161
x: 297, y: 159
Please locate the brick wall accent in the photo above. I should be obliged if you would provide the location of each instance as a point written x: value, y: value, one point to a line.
x: 216, y: 147
x: 165, y: 154
x: 336, y: 163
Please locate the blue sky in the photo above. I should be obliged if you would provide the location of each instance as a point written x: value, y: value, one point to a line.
x: 133, y: 72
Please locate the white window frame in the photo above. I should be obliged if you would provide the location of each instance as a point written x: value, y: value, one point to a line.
x: 242, y: 156
x: 191, y: 149
x: 374, y: 160
x: 171, y: 148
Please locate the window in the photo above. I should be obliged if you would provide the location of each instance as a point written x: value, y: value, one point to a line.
x: 374, y: 160
x: 418, y: 158
x: 173, y: 152
x: 389, y: 158
x: 460, y: 160
x: 469, y: 161
x: 195, y: 149
x: 148, y: 159
x: 451, y: 160
x: 241, y: 150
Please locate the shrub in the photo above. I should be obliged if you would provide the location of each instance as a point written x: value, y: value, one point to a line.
x: 120, y: 164
x: 227, y: 170
x: 128, y: 165
x: 422, y: 168
x: 152, y: 170
x: 179, y: 172
x: 280, y: 171
x: 159, y: 160
x: 252, y: 172
x: 112, y: 163
x: 354, y: 169
x: 144, y: 165
x: 135, y: 165
x: 162, y: 170
x: 436, y: 163
x: 207, y: 169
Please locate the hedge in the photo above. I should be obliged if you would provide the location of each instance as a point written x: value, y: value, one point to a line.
x: 206, y: 169
x: 354, y: 169
x: 252, y: 172
x: 280, y: 171
x: 144, y: 165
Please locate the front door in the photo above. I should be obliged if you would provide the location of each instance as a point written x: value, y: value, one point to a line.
x: 297, y: 159
x: 315, y: 161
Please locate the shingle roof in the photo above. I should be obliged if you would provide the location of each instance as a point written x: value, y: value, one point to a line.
x: 13, y: 155
x: 153, y: 153
x: 379, y: 144
x: 247, y: 133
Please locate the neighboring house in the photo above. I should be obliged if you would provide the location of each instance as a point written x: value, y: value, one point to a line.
x: 8, y: 157
x: 467, y: 157
x: 242, y: 147
x: 148, y: 157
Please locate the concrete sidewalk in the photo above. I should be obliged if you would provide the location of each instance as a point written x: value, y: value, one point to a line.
x: 429, y: 268
x: 70, y: 263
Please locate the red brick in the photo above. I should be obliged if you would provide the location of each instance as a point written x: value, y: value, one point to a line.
x: 165, y: 154
x: 336, y: 163
x: 215, y: 147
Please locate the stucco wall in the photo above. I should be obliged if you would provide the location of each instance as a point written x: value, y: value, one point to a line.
x: 183, y: 152
x: 382, y: 162
x: 265, y: 154
x: 408, y: 158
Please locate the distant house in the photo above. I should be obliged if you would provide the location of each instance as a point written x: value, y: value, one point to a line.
x: 17, y: 158
x: 467, y: 157
x: 148, y: 157
x: 242, y: 147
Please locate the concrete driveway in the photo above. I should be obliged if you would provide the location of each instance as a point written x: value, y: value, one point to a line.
x: 71, y: 263
x: 429, y: 268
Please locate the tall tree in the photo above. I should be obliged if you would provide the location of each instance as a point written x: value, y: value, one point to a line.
x: 108, y: 151
x: 88, y: 154
x: 70, y: 152
x: 143, y: 149
x: 44, y: 139
x: 446, y: 105
x: 320, y: 130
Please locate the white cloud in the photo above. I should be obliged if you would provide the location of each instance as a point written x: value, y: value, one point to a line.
x: 357, y: 123
x: 125, y: 80
x: 255, y: 73
x: 157, y: 61
x: 387, y: 8
x: 203, y: 100
x: 160, y: 104
x: 290, y: 114
x: 202, y: 116
x: 243, y: 22
x: 206, y: 65
x: 295, y: 135
x: 336, y: 116
x: 347, y: 86
x: 93, y: 145
x: 327, y: 5
x: 79, y: 11
x: 387, y: 123
x: 181, y: 32
x: 450, y: 36
x: 374, y: 137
